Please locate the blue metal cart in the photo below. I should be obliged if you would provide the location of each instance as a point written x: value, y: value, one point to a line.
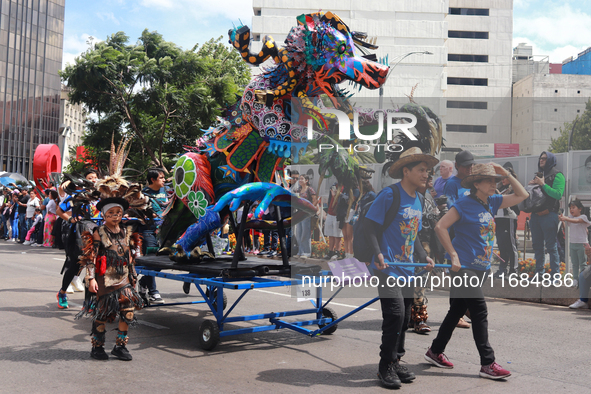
x: 212, y: 289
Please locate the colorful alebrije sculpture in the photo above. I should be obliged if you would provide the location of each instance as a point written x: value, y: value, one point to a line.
x: 237, y: 158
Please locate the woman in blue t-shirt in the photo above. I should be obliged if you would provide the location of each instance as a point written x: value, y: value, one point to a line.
x: 470, y: 253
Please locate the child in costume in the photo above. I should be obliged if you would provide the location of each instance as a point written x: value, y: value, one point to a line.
x: 109, y: 257
x: 110, y: 274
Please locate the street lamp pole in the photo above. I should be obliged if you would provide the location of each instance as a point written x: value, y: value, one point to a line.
x: 393, y: 65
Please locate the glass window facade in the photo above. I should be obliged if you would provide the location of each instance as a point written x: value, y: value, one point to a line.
x: 31, y: 46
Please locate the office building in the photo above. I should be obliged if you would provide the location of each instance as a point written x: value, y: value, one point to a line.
x: 31, y: 42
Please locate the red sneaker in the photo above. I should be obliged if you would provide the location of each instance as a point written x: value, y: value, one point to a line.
x: 494, y: 371
x: 440, y: 360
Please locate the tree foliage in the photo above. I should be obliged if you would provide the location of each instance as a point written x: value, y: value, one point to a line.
x: 155, y: 92
x: 581, y: 139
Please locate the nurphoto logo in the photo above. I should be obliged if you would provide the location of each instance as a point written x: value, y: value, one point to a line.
x: 344, y: 126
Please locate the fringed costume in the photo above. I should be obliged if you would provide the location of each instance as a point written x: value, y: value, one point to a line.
x: 108, y: 255
x: 110, y: 261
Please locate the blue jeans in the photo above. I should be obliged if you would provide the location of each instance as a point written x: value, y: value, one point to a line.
x: 304, y: 237
x: 15, y: 227
x: 543, y: 235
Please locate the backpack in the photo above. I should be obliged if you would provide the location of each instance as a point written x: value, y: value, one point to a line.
x: 362, y: 249
x: 536, y: 200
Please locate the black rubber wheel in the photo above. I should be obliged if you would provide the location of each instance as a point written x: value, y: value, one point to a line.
x: 329, y: 312
x: 215, y: 298
x: 209, y: 334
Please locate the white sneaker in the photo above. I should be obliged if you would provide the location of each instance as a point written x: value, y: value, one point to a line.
x: 579, y: 305
x: 27, y: 243
x: 156, y: 299
x: 70, y: 290
x: 575, y: 283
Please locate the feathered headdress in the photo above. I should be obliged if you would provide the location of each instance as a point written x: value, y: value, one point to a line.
x: 115, y: 185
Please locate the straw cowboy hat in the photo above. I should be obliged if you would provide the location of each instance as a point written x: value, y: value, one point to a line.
x: 481, y: 171
x: 411, y: 155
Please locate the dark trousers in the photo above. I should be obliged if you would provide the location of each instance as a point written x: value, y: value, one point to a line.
x: 507, y: 241
x: 396, y: 309
x: 22, y: 227
x: 543, y: 236
x: 472, y: 299
x: 270, y: 238
x: 148, y: 241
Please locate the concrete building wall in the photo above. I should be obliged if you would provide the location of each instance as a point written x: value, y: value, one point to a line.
x: 74, y: 117
x: 496, y: 71
x: 542, y: 103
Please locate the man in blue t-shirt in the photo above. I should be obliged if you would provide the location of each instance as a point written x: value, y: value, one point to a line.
x: 398, y: 242
x: 446, y: 170
x: 453, y: 188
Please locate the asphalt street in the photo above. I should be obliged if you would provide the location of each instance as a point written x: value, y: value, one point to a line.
x: 44, y: 350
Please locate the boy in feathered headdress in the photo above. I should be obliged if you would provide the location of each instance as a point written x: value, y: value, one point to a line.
x: 109, y: 256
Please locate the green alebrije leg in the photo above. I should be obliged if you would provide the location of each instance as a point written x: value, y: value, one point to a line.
x: 245, y: 151
x: 266, y: 166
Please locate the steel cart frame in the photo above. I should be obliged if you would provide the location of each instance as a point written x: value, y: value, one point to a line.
x: 211, y: 331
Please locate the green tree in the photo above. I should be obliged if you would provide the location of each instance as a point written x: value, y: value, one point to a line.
x: 581, y: 139
x: 155, y: 92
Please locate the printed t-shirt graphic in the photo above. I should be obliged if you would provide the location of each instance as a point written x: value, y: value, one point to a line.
x: 475, y: 232
x: 397, y: 242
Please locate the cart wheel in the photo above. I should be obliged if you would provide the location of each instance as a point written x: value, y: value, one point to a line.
x: 329, y: 312
x: 209, y: 334
x: 215, y: 298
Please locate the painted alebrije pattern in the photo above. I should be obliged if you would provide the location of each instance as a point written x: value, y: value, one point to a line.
x: 240, y: 132
x: 266, y: 167
x: 192, y: 172
x: 197, y: 203
x: 185, y: 175
x: 318, y: 53
x: 222, y: 142
x: 245, y: 152
x: 257, y: 133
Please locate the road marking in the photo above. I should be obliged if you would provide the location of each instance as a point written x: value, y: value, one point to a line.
x: 332, y: 303
x: 272, y: 292
x: 352, y: 306
x: 156, y: 326
x: 55, y: 258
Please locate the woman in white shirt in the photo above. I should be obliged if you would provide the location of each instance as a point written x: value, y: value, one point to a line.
x: 32, y: 204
